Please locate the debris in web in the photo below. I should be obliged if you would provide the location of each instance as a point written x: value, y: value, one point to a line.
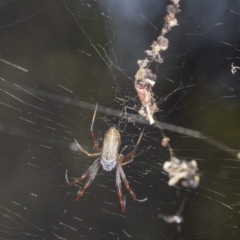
x: 165, y: 141
x: 144, y: 78
x: 234, y: 68
x: 177, y: 218
x: 144, y: 81
x: 182, y: 171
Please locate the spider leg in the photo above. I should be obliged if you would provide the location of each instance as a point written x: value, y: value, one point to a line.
x: 95, y: 144
x: 122, y: 174
x: 119, y: 187
x: 90, y: 179
x: 85, y: 152
x: 131, y: 154
x: 86, y: 173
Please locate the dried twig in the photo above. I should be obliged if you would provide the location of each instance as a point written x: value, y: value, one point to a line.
x: 144, y: 78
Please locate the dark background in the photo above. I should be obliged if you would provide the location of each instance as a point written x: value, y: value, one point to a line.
x: 76, y: 53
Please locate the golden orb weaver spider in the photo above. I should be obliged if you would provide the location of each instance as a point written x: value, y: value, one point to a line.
x: 109, y: 159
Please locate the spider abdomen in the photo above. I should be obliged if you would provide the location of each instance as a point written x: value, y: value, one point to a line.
x: 111, y: 146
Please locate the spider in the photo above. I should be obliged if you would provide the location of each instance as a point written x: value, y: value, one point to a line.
x: 109, y: 159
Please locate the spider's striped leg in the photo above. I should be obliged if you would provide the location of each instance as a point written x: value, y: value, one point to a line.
x: 131, y: 154
x: 95, y: 144
x: 90, y: 178
x: 119, y: 187
x: 126, y: 183
x: 86, y: 173
x: 86, y: 152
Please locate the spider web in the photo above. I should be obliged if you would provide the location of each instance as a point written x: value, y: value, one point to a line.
x: 58, y: 59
